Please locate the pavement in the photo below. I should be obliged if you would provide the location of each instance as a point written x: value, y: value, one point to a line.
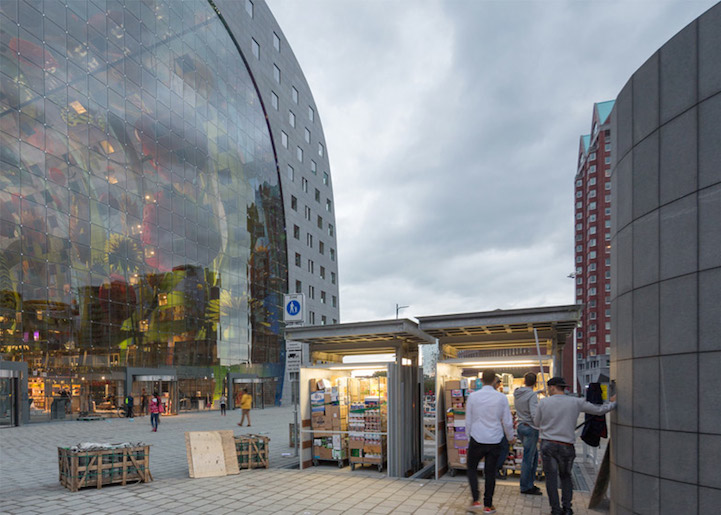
x: 29, y: 476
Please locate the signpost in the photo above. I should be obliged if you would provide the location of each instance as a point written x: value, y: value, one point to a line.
x: 294, y: 308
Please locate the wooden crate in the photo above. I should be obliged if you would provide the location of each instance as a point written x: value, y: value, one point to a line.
x: 252, y: 451
x: 103, y: 467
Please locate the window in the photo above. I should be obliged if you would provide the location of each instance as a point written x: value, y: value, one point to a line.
x: 326, y: 178
x: 323, y: 320
x: 607, y: 185
x: 311, y: 114
x: 321, y: 149
x: 607, y: 211
x: 607, y: 160
x: 332, y: 254
x: 592, y: 254
x: 592, y: 156
x: 293, y: 203
x: 592, y: 242
x: 296, y: 232
x: 579, y: 292
x: 607, y: 313
x: 298, y: 287
x: 274, y: 100
x: 607, y: 338
x: 592, y: 267
x: 592, y: 291
x: 311, y: 291
x: 592, y: 218
x: 592, y: 169
x: 579, y: 227
x: 307, y: 135
x: 291, y: 173
x: 299, y: 154
x: 607, y: 288
x: 284, y: 139
x: 249, y: 7
x: 307, y: 213
x: 322, y: 297
x: 607, y: 173
x: 592, y: 205
x: 322, y: 272
x: 607, y: 326
x: 592, y: 181
x: 592, y: 279
x: 332, y: 277
x: 579, y: 216
x: 579, y: 237
x: 276, y: 42
x: 579, y: 205
x: 328, y: 205
x: 593, y: 315
x: 291, y: 118
x: 276, y: 73
x: 592, y: 303
x: 321, y: 247
x: 579, y: 259
x: 592, y: 230
x: 579, y: 194
x: 330, y: 230
x: 579, y: 248
x: 579, y: 183
x: 607, y: 236
x: 313, y: 167
x: 256, y: 48
x: 336, y: 321
x: 320, y: 222
x: 309, y: 240
x: 311, y: 317
x: 294, y: 94
x: 592, y: 194
x: 334, y: 301
x: 592, y: 328
x: 608, y: 300
x: 304, y: 184
x: 607, y: 198
x: 317, y: 195
x: 311, y: 266
x: 297, y: 259
x: 579, y: 280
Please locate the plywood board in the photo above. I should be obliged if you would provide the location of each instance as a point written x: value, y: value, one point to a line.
x: 231, y: 458
x: 205, y: 454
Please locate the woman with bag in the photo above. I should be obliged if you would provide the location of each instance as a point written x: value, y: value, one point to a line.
x: 156, y: 408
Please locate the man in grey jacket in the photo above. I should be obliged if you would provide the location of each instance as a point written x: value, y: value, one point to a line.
x: 556, y: 418
x: 526, y: 402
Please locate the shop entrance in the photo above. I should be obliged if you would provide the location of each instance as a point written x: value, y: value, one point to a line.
x: 258, y: 387
x: 8, y: 401
x: 165, y: 385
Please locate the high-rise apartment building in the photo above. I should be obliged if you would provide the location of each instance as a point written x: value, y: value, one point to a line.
x: 593, y: 249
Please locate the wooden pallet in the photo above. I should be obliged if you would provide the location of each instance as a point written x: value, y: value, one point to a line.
x: 252, y: 451
x: 103, y: 468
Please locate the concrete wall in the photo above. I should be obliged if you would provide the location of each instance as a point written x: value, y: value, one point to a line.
x: 666, y: 283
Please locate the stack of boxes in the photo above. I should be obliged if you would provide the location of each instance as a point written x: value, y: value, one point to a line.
x: 328, y: 414
x: 368, y: 418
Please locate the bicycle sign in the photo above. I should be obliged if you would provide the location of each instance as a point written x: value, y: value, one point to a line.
x: 293, y: 307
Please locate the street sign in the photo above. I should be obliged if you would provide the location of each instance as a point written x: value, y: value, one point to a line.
x: 294, y: 356
x: 294, y: 307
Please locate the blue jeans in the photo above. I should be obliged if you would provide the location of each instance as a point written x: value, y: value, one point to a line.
x: 154, y: 419
x: 529, y: 436
x: 558, y: 462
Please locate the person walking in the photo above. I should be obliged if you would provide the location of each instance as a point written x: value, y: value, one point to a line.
x: 129, y: 405
x: 223, y: 403
x: 556, y: 418
x: 143, y: 403
x: 526, y: 402
x: 488, y: 419
x: 246, y: 402
x: 156, y: 408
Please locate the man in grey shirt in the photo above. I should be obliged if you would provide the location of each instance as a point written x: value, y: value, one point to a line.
x: 526, y: 402
x: 556, y: 418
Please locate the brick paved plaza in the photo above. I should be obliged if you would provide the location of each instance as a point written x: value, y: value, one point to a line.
x: 29, y: 476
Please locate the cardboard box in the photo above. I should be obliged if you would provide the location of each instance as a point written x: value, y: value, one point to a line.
x: 452, y: 385
x: 322, y: 453
x: 320, y: 422
x: 332, y: 411
x: 355, y: 444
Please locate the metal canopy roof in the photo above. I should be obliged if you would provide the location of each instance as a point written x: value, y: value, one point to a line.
x: 512, y: 327
x: 375, y: 337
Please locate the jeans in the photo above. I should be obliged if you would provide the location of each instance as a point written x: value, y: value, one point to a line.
x: 558, y: 462
x: 529, y: 436
x: 154, y: 419
x: 504, y: 453
x: 476, y: 452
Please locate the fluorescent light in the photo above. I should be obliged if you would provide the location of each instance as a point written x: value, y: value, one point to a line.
x: 481, y: 364
x: 358, y: 367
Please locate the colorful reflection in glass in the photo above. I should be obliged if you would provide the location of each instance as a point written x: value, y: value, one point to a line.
x: 141, y: 221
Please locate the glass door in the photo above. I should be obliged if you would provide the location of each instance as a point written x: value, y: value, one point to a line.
x: 8, y: 408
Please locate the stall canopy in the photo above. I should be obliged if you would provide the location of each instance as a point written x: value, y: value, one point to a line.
x: 504, y: 333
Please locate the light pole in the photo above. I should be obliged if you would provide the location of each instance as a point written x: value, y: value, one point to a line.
x: 398, y: 308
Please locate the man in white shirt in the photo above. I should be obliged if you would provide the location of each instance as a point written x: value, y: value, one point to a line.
x: 488, y: 418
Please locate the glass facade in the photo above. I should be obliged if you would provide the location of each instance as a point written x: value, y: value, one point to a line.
x: 141, y: 218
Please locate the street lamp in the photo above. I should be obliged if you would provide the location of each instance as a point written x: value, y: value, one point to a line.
x: 398, y: 308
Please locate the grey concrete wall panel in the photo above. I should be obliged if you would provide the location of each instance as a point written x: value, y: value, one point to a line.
x: 624, y: 411
x: 625, y: 490
x: 709, y: 406
x: 624, y: 440
x: 624, y: 121
x: 709, y: 310
x: 678, y: 498
x: 646, y: 412
x: 677, y: 170
x: 645, y: 321
x: 679, y: 237
x: 622, y: 201
x: 645, y: 250
x: 709, y: 42
x: 709, y: 452
x: 679, y: 392
x: 709, y: 149
x: 679, y: 456
x: 645, y: 176
x: 709, y: 499
x: 679, y: 74
x: 624, y: 244
x: 645, y: 451
x: 646, y: 494
x: 709, y: 227
x: 645, y: 99
x: 679, y: 315
x: 624, y: 329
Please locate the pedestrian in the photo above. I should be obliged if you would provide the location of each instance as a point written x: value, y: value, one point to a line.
x: 555, y: 419
x: 144, y: 403
x: 488, y: 420
x: 223, y: 402
x: 526, y: 402
x: 129, y: 405
x: 500, y: 471
x: 156, y: 408
x: 246, y: 402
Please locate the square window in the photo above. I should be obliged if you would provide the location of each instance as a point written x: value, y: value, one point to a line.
x: 276, y: 42
x: 276, y: 73
x: 256, y: 48
x: 274, y: 100
x: 294, y: 94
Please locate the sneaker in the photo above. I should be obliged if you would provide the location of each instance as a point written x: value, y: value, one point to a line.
x: 532, y: 491
x: 489, y: 509
x: 475, y: 506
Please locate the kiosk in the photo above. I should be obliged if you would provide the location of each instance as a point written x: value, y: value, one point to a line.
x: 510, y: 342
x: 361, y: 399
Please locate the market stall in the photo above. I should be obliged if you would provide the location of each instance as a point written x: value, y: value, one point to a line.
x: 509, y: 342
x: 360, y: 400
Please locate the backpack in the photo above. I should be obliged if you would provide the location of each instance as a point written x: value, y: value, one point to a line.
x: 594, y: 427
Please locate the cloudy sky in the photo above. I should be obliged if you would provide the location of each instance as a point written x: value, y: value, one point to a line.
x: 452, y: 129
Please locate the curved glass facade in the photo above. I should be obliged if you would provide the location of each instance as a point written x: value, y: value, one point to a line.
x: 141, y: 219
